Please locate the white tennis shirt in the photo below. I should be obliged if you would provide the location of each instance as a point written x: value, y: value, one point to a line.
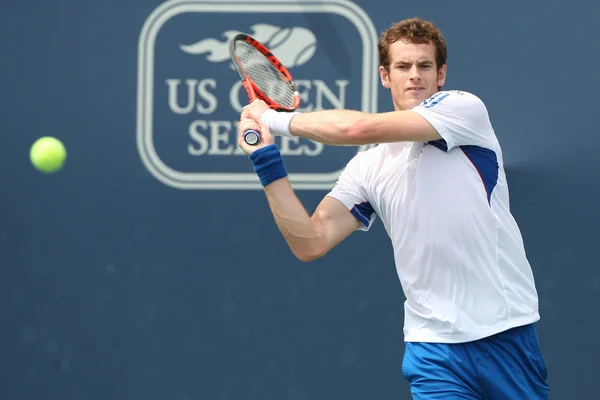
x: 458, y: 251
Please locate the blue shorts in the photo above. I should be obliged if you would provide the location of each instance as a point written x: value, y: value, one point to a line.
x: 505, y: 366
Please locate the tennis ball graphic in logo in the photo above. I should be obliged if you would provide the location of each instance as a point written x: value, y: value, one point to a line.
x: 293, y: 46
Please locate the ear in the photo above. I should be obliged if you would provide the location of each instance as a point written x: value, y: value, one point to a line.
x: 442, y: 75
x: 385, y: 77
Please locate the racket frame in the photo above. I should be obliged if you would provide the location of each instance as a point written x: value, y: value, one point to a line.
x: 251, y: 87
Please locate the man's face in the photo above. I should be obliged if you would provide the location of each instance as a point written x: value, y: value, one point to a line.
x: 412, y: 76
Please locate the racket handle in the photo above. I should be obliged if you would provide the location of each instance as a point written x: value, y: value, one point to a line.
x: 251, y: 137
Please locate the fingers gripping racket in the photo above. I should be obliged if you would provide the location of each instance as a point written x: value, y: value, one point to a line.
x: 264, y: 77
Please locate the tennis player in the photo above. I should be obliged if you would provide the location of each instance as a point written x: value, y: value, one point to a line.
x: 436, y: 180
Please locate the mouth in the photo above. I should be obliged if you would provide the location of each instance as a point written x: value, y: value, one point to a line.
x: 415, y: 89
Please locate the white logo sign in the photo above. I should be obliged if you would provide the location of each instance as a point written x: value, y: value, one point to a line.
x: 181, y: 99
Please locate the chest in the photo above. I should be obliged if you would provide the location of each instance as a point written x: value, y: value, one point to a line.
x: 422, y: 180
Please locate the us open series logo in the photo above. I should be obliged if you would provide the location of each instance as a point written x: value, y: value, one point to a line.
x: 190, y: 98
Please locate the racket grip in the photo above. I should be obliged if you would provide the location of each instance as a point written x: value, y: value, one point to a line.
x: 251, y: 137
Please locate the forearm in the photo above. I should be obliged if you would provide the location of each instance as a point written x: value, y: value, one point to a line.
x: 292, y: 219
x: 331, y: 127
x: 298, y: 228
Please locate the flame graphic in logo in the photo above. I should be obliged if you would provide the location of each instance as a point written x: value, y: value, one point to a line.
x: 293, y: 46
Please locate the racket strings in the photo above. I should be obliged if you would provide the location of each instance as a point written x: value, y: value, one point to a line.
x: 266, y: 77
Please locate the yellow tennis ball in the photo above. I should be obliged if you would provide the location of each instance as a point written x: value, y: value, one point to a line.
x: 48, y: 154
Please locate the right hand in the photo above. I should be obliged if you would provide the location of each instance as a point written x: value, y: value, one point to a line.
x: 254, y: 110
x: 265, y: 136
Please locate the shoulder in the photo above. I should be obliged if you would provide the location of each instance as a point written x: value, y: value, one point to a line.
x: 453, y: 98
x: 455, y: 105
x: 368, y: 155
x: 364, y: 161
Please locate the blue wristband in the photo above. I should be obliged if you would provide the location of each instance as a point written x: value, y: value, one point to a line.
x: 268, y: 164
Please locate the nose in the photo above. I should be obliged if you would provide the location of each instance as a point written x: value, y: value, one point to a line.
x: 414, y: 74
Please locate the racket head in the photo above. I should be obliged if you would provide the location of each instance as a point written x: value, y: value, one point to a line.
x: 263, y: 76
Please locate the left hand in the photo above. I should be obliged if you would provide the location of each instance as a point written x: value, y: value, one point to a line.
x: 254, y: 111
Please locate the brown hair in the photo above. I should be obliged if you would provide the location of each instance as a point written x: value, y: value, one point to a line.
x: 412, y: 30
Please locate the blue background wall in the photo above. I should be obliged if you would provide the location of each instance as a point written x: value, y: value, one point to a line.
x: 114, y: 284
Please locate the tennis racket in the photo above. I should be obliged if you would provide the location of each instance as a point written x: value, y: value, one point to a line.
x: 264, y: 77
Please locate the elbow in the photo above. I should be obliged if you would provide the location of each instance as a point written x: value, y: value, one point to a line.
x: 306, y: 258
x: 358, y: 132
x: 308, y: 253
